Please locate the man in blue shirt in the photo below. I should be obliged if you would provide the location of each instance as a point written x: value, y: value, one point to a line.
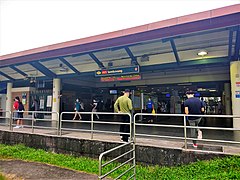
x: 149, y: 107
x: 193, y: 106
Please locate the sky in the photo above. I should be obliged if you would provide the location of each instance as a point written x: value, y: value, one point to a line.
x: 28, y: 24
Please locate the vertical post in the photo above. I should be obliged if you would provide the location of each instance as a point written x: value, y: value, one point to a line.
x: 142, y: 104
x: 227, y: 98
x: 33, y: 121
x: 9, y: 100
x: 235, y: 84
x: 56, y: 100
x: 60, y: 126
x: 100, y: 167
x: 185, y: 131
x: 92, y: 125
x: 134, y: 146
x: 10, y: 120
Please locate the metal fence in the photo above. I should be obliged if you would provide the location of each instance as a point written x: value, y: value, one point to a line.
x: 89, y: 124
x: 184, y: 136
x: 131, y: 159
x: 92, y: 121
x: 5, y: 118
x: 36, y: 120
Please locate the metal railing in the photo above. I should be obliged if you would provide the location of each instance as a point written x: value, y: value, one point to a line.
x: 92, y: 122
x: 33, y: 119
x: 185, y: 128
x: 131, y: 159
x: 134, y: 134
x: 5, y: 118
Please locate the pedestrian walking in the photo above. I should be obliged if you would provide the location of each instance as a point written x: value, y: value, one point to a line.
x: 124, y: 105
x: 77, y: 108
x: 94, y: 107
x: 193, y: 106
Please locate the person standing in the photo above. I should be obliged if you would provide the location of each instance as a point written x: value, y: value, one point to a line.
x: 77, y: 109
x: 193, y: 106
x: 35, y: 107
x: 18, y: 106
x: 124, y: 105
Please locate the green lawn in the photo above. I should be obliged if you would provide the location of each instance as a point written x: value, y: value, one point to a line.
x: 2, y: 177
x: 226, y: 168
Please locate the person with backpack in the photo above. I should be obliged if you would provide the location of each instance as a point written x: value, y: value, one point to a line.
x: 150, y: 108
x: 18, y: 106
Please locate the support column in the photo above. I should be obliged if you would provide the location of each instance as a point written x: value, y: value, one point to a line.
x: 9, y: 99
x: 227, y: 100
x: 56, y: 98
x: 235, y: 84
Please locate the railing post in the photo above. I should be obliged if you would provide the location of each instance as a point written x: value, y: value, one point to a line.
x: 185, y: 131
x: 10, y: 119
x: 92, y: 125
x: 33, y: 121
x: 134, y: 146
x: 57, y: 123
x: 60, y: 128
x: 130, y: 121
x: 100, y: 168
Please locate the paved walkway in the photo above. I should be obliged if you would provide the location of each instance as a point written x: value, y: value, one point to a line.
x: 146, y: 141
x: 19, y: 170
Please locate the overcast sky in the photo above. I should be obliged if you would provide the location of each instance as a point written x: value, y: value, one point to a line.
x: 27, y: 24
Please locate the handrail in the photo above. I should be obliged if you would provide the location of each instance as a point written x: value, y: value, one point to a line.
x: 92, y: 122
x: 8, y: 116
x: 33, y: 119
x: 185, y: 127
x: 116, y: 158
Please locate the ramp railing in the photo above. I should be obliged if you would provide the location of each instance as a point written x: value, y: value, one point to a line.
x: 183, y: 134
x: 5, y: 118
x: 130, y: 159
x: 36, y: 120
x: 91, y: 121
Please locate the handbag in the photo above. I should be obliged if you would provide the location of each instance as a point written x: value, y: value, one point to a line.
x: 153, y: 111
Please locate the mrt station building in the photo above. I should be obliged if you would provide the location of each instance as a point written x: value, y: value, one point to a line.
x: 198, y: 52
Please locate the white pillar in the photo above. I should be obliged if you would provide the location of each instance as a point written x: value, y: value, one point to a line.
x: 56, y: 97
x: 9, y: 99
x: 227, y: 98
x: 235, y: 85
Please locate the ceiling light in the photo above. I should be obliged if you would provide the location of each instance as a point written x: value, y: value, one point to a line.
x: 144, y: 58
x: 202, y: 53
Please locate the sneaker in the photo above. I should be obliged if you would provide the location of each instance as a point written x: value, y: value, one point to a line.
x: 17, y: 127
x: 195, y: 145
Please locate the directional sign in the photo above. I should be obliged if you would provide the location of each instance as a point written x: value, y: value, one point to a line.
x: 117, y: 71
x: 130, y: 77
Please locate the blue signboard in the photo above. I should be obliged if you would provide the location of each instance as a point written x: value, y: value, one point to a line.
x: 117, y: 71
x: 237, y: 94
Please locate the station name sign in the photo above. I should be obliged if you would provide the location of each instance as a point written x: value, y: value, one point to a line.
x: 117, y: 71
x: 130, y: 77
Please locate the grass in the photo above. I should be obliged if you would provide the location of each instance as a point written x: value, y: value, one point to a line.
x: 2, y: 177
x: 226, y: 168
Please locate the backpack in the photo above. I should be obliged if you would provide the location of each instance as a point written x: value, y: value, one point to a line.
x: 20, y: 107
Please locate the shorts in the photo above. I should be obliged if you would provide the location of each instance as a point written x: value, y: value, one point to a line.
x: 20, y: 115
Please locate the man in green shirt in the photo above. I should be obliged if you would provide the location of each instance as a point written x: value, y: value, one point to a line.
x: 124, y: 105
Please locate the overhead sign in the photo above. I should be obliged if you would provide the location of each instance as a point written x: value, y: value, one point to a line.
x: 237, y: 94
x: 130, y: 77
x: 117, y: 71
